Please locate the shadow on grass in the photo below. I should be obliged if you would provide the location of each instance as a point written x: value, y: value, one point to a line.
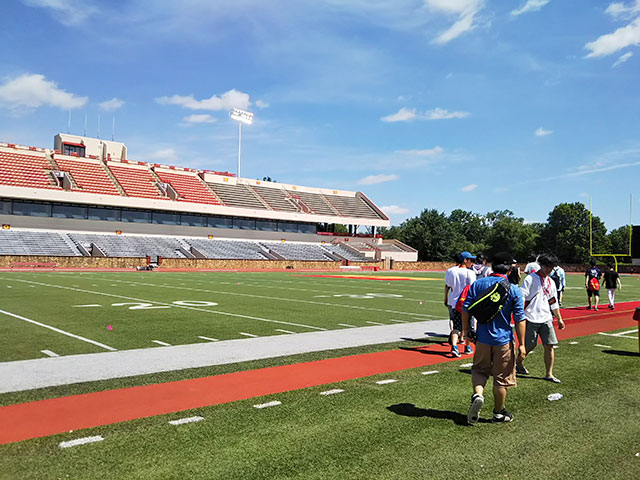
x: 410, y: 410
x: 623, y: 353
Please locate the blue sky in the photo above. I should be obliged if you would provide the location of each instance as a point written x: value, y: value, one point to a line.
x: 474, y: 104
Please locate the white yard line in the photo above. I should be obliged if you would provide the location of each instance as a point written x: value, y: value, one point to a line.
x: 423, y: 316
x: 268, y: 404
x: 332, y: 392
x: 467, y: 365
x: 80, y: 441
x: 49, y: 353
x: 216, y: 312
x: 398, y: 321
x: 347, y: 325
x: 78, y: 337
x: 385, y: 382
x: 375, y: 323
x: 208, y: 338
x: 86, y: 306
x: 248, y: 334
x: 431, y: 372
x: 621, y: 334
x: 182, y: 421
x: 164, y: 344
x: 601, y: 346
x: 284, y: 331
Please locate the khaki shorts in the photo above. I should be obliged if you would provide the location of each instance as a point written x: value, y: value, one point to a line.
x: 545, y: 331
x: 497, y: 361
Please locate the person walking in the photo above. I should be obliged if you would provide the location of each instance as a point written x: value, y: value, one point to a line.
x: 533, y: 266
x: 560, y: 278
x: 495, y: 353
x: 481, y: 268
x: 592, y: 279
x: 541, y: 307
x: 456, y: 279
x: 611, y: 283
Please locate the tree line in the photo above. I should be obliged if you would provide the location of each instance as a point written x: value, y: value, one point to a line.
x: 439, y: 237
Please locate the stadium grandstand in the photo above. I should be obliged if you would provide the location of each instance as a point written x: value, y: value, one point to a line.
x: 85, y: 198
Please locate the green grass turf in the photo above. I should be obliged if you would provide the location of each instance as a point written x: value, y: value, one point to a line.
x: 405, y: 430
x: 247, y: 302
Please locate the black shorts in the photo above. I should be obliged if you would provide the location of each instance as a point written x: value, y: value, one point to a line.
x: 593, y: 293
x: 456, y: 318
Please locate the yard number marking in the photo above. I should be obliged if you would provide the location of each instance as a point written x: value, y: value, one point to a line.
x: 149, y: 306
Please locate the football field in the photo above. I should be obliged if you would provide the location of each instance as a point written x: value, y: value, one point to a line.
x: 404, y: 424
x: 65, y: 313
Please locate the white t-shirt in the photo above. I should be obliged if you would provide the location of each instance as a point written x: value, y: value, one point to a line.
x: 538, y: 292
x: 457, y: 278
x: 532, y: 267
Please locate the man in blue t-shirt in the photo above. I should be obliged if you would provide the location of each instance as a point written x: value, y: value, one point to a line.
x: 495, y: 347
x: 592, y: 279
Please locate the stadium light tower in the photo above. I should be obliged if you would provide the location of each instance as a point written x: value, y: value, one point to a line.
x: 241, y: 117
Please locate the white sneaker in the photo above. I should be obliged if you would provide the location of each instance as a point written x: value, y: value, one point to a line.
x: 477, y: 401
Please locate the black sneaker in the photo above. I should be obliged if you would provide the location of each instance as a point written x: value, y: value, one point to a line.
x: 477, y: 401
x: 502, y: 416
x: 589, y: 307
x: 521, y: 370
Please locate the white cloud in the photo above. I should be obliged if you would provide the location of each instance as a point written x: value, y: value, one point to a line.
x: 34, y: 90
x: 541, y: 132
x: 402, y: 115
x: 612, y: 42
x: 227, y: 101
x: 469, y: 188
x: 530, y: 6
x: 465, y: 10
x: 67, y: 12
x: 111, y: 105
x: 619, y: 9
x: 410, y: 114
x: 427, y: 152
x: 442, y: 114
x: 375, y: 179
x: 199, y: 118
x: 621, y: 59
x: 394, y: 210
x: 261, y: 104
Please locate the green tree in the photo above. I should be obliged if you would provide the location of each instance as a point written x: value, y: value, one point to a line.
x: 472, y: 228
x: 619, y: 239
x: 567, y: 233
x: 509, y: 233
x: 430, y: 233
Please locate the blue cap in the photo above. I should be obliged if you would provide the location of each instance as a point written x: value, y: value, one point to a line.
x: 465, y: 255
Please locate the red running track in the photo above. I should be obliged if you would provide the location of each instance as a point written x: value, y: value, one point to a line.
x: 58, y: 415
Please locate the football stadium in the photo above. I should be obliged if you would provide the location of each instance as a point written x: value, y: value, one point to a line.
x: 160, y: 321
x: 164, y: 316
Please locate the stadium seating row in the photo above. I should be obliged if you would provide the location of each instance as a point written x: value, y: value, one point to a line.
x: 27, y: 242
x: 32, y: 169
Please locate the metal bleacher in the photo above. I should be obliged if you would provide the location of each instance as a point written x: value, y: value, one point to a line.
x: 237, y: 196
x: 345, y: 252
x: 298, y: 251
x: 23, y: 242
x: 352, y: 206
x: 227, y: 249
x: 131, y: 246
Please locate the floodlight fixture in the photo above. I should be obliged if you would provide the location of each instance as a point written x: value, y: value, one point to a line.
x: 240, y: 116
